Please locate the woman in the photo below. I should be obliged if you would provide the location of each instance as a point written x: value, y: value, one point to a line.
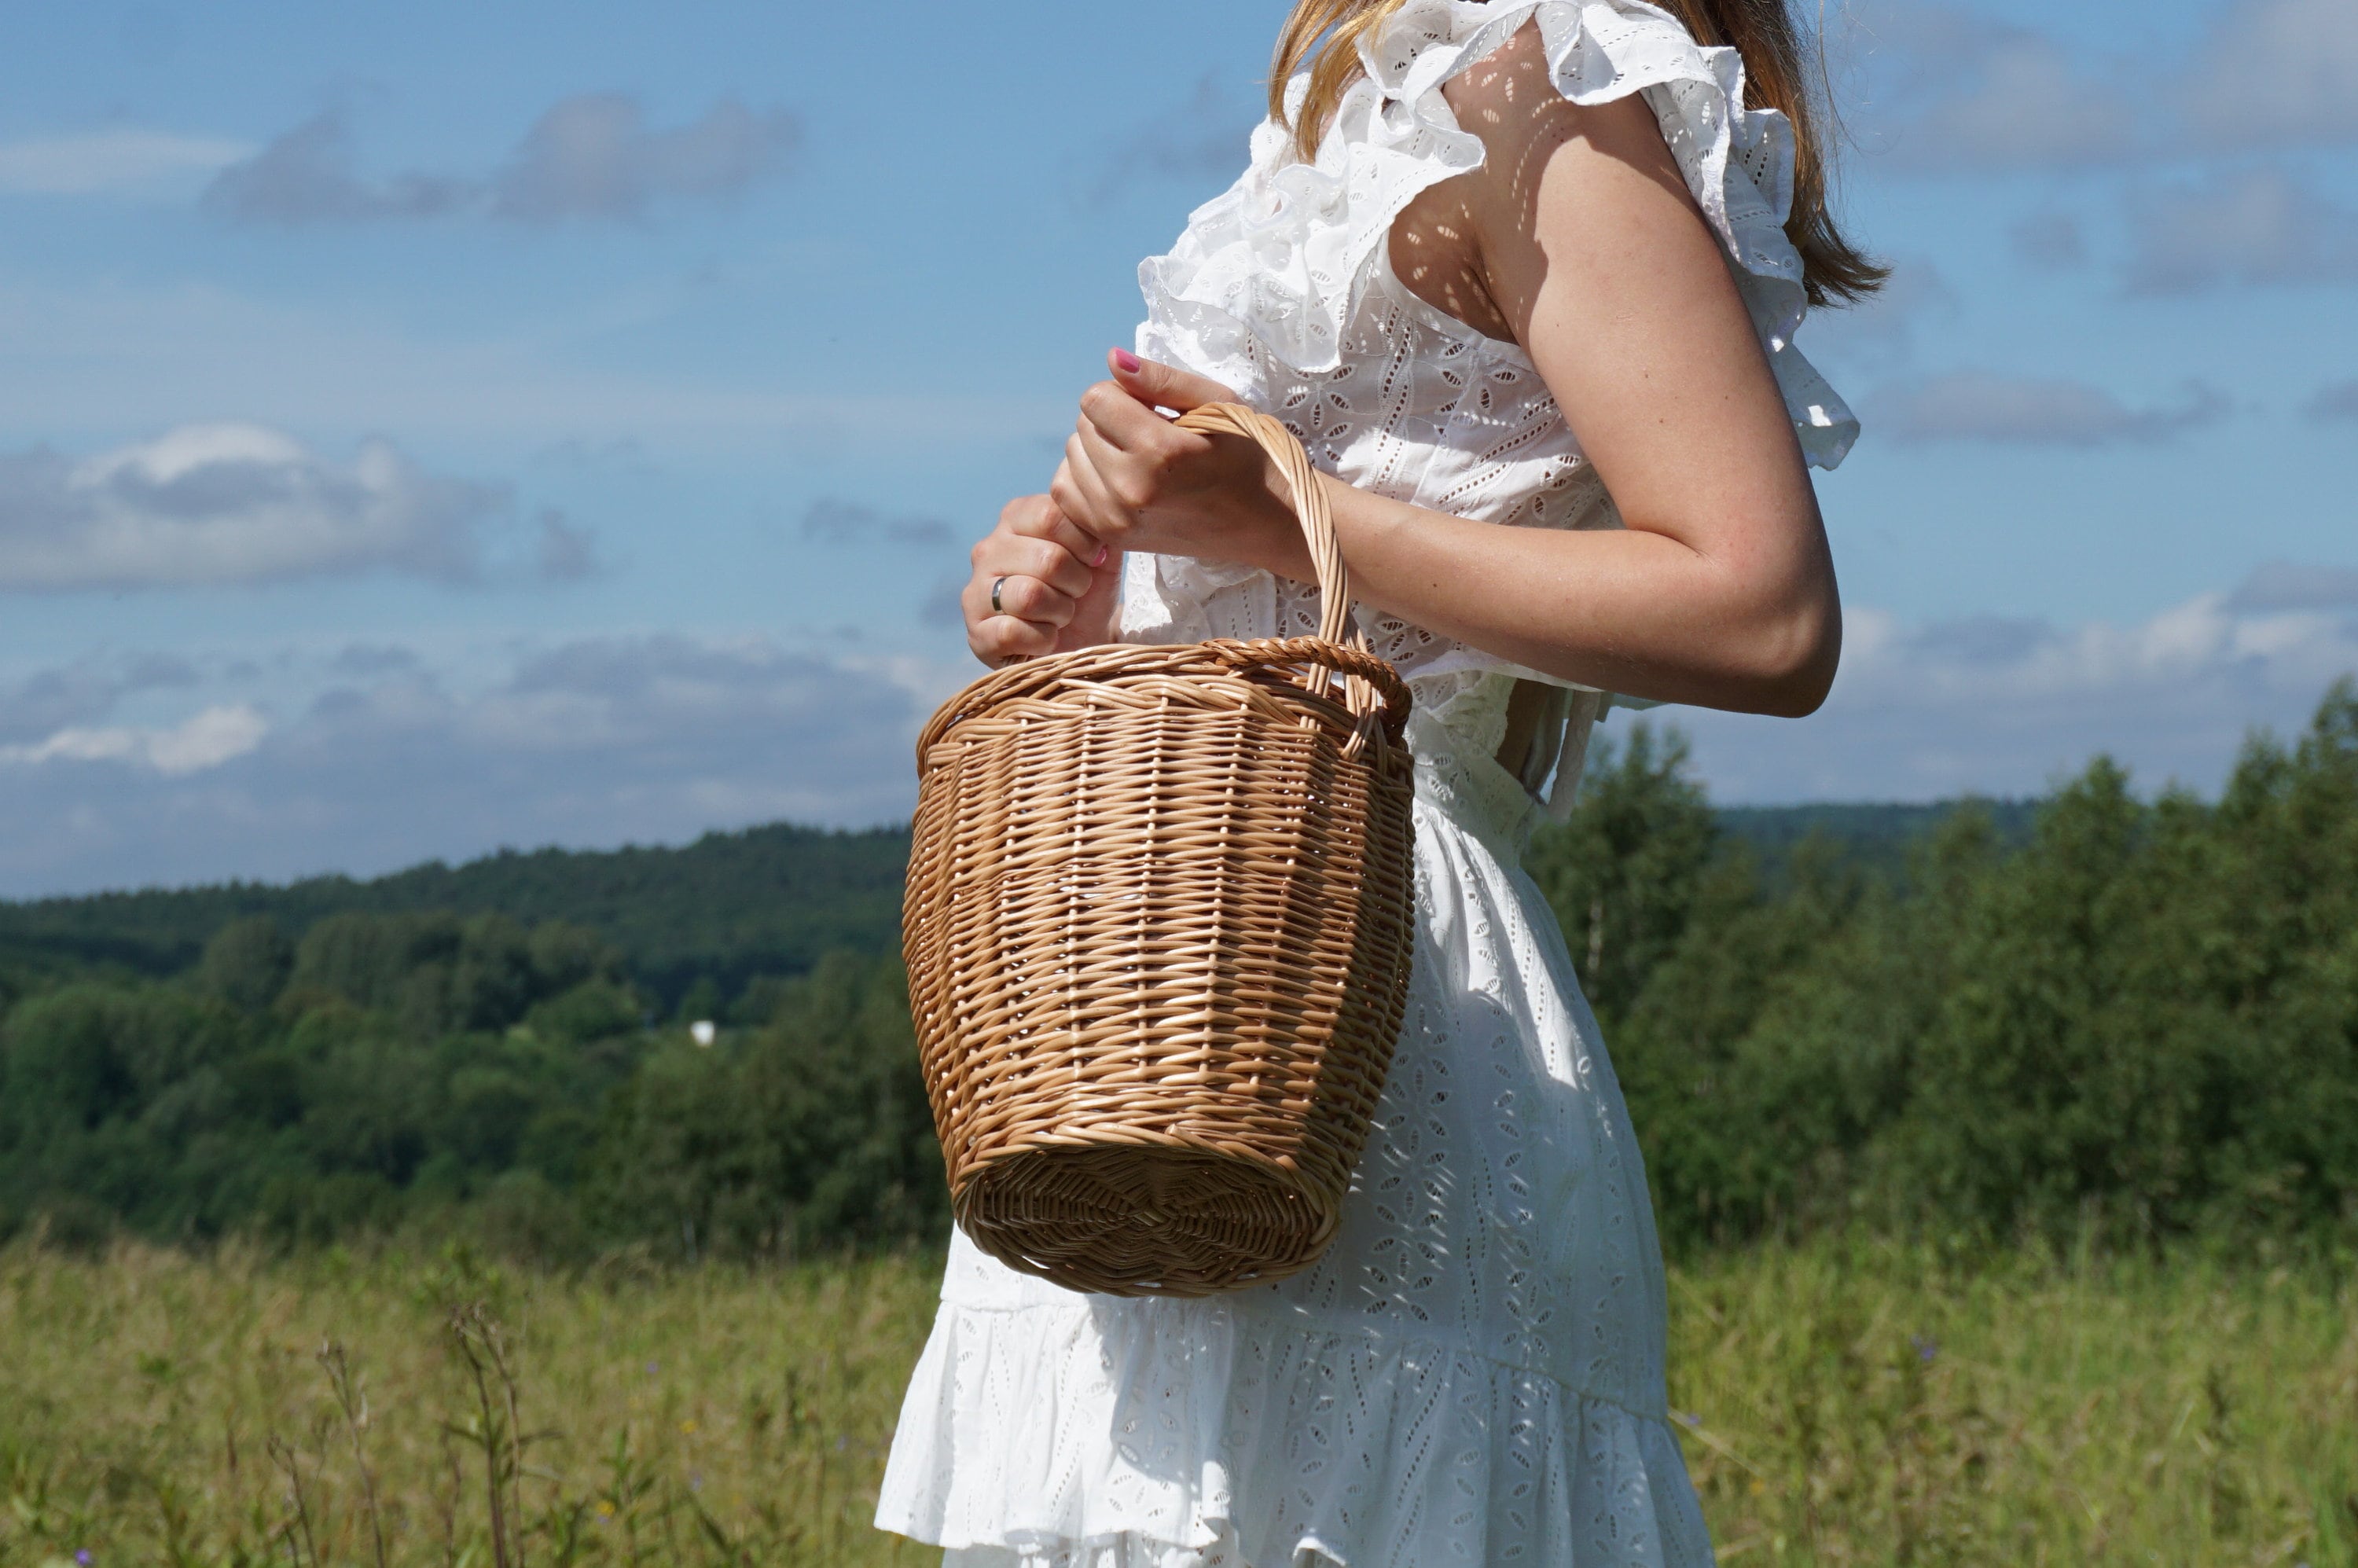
x: 1522, y: 276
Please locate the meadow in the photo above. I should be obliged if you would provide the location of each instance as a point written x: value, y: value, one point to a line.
x: 2107, y: 1045
x: 1840, y: 1403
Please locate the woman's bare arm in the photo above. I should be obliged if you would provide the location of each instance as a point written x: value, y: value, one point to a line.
x: 1586, y: 245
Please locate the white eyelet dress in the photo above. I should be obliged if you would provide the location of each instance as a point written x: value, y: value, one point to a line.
x: 1473, y: 1373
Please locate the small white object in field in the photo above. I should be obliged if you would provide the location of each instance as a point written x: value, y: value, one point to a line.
x: 702, y: 1031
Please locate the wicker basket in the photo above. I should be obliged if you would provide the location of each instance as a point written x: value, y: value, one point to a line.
x: 1157, y: 928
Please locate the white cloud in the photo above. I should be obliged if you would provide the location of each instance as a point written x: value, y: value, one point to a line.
x: 207, y: 740
x: 2276, y: 72
x: 2003, y: 706
x: 2257, y: 225
x: 1976, y: 406
x: 228, y: 503
x: 122, y: 157
x: 589, y: 157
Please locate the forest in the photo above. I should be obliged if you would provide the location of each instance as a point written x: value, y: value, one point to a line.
x: 2106, y: 1017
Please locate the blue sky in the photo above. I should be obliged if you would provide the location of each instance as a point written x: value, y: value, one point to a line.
x: 431, y: 427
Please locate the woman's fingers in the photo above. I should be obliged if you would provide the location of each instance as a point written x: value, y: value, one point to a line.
x: 1128, y: 478
x: 1025, y: 599
x: 1004, y: 553
x: 1023, y: 622
x: 1038, y: 518
x: 1039, y: 564
x: 1082, y: 493
x: 1001, y: 640
x: 1154, y: 385
x: 1131, y: 425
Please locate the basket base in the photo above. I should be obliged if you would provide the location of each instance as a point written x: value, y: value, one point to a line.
x: 1130, y: 1220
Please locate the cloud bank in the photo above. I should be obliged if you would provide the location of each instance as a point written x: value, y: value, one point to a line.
x: 2004, y: 707
x: 1978, y: 94
x: 1996, y: 97
x: 389, y: 762
x: 592, y: 158
x: 2276, y: 73
x: 2251, y: 226
x: 147, y: 771
x: 1976, y: 405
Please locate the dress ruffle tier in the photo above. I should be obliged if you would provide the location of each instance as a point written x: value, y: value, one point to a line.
x: 1165, y: 1435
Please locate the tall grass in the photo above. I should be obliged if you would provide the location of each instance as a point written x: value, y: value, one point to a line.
x: 156, y: 1409
x: 1874, y: 1404
x: 1839, y: 1404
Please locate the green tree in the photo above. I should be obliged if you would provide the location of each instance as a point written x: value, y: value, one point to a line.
x: 247, y: 962
x: 813, y: 1132
x: 1624, y: 871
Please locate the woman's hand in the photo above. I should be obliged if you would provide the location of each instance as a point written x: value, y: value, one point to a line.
x: 1136, y: 481
x: 1056, y: 585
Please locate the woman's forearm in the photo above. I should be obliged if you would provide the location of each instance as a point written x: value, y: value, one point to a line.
x: 1756, y: 630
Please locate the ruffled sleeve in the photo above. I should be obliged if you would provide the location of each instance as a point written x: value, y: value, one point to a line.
x: 1273, y: 268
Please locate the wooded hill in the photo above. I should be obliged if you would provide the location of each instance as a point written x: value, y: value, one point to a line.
x: 731, y: 907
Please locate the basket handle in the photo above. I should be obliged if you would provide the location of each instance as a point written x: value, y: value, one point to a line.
x: 1335, y: 623
x: 1309, y: 505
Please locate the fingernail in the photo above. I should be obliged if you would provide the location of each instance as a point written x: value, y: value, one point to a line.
x: 1127, y: 361
x: 1099, y: 558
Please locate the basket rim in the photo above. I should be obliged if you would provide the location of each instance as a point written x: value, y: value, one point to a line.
x: 1220, y: 658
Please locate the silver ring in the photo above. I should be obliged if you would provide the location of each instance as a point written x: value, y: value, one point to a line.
x: 997, y: 608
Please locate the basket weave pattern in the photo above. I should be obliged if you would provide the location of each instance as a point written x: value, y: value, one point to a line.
x: 1158, y: 930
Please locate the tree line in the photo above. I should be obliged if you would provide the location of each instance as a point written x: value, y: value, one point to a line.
x: 2107, y: 1016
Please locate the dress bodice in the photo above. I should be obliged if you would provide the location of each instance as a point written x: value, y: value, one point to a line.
x: 1282, y: 288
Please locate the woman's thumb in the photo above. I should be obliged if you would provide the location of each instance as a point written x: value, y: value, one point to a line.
x: 1164, y: 387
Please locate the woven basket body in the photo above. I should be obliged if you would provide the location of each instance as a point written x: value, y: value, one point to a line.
x: 1158, y: 927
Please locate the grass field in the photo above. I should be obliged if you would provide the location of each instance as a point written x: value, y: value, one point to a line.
x: 1862, y: 1404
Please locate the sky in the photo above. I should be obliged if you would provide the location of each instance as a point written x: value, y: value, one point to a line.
x: 432, y: 428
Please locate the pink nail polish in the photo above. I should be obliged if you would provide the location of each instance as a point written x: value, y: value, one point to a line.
x: 1099, y: 558
x: 1127, y: 361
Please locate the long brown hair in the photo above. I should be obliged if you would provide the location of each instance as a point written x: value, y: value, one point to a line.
x: 1326, y: 35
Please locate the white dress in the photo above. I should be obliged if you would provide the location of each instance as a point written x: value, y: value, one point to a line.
x: 1473, y: 1373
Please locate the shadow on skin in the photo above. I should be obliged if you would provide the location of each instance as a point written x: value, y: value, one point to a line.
x: 1509, y: 101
